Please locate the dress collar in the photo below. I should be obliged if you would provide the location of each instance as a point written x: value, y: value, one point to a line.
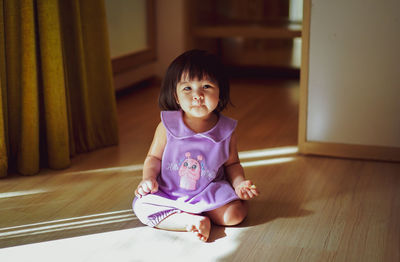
x: 174, y: 124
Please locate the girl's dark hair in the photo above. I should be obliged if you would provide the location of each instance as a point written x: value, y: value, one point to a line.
x: 197, y: 64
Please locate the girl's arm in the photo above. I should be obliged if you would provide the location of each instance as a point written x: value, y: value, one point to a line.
x: 235, y: 173
x: 152, y: 163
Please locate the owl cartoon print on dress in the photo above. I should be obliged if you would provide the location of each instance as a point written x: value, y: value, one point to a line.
x: 190, y: 172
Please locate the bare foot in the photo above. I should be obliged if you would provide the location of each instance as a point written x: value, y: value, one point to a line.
x: 200, y: 226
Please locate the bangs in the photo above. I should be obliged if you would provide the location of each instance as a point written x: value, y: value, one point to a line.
x: 198, y: 69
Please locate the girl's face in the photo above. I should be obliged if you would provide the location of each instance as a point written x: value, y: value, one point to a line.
x: 197, y: 98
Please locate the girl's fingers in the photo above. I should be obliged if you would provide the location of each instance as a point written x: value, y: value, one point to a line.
x: 154, y: 187
x: 253, y: 189
x: 149, y: 184
x: 141, y: 191
x: 244, y: 194
x: 255, y: 192
x: 145, y: 187
x: 248, y: 183
x: 248, y: 192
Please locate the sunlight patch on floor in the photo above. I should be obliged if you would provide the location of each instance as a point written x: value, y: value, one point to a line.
x: 269, y: 152
x: 273, y: 156
x: 67, y: 224
x: 22, y: 193
x: 267, y: 162
x: 129, y: 168
x: 135, y: 244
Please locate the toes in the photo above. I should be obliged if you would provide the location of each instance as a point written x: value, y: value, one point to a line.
x: 200, y: 226
x: 202, y: 237
x: 197, y: 233
x: 190, y: 228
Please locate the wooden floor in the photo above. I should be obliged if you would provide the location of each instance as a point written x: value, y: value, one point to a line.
x: 310, y: 208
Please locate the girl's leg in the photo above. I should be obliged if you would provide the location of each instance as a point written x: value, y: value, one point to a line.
x: 230, y: 214
x: 200, y: 225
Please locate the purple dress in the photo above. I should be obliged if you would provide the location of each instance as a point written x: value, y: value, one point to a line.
x: 192, y: 175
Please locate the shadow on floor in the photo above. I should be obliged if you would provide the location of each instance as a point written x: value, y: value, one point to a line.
x: 261, y: 212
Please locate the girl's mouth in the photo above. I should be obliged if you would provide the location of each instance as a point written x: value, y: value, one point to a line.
x: 196, y: 103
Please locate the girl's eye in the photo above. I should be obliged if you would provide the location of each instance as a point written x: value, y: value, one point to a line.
x: 187, y: 88
x: 206, y: 86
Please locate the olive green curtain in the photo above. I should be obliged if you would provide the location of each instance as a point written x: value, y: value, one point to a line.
x: 56, y: 96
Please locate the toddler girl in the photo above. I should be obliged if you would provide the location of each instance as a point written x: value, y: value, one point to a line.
x: 192, y: 174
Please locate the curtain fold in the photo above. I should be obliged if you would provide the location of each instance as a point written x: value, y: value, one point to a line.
x: 28, y: 151
x: 57, y: 96
x: 53, y: 85
x: 3, y: 101
x: 84, y: 39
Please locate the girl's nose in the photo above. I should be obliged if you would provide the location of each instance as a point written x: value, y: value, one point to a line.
x: 197, y: 96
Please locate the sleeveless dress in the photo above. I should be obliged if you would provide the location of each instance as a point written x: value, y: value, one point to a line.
x: 192, y: 175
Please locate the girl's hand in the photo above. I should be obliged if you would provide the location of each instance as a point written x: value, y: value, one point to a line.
x: 246, y: 190
x: 146, y: 186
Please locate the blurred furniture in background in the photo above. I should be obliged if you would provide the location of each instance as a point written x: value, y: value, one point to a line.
x: 248, y: 34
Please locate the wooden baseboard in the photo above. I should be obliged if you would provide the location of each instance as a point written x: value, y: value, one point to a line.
x: 351, y: 151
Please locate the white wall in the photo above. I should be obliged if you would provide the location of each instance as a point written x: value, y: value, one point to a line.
x: 126, y: 22
x: 354, y: 72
